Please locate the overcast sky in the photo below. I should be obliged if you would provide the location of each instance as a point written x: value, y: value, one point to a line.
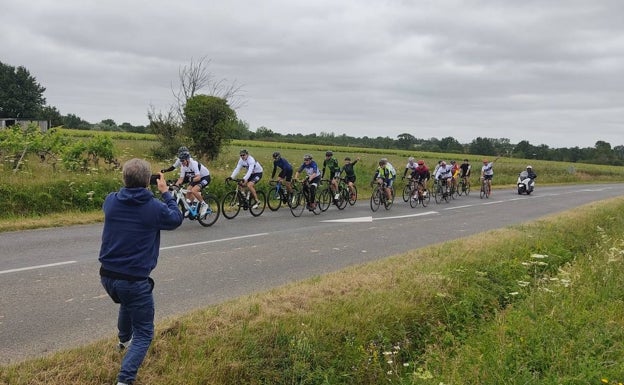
x: 550, y: 72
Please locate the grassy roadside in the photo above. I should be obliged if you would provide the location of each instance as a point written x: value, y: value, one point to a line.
x: 539, y: 303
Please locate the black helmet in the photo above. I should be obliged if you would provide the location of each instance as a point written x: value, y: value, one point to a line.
x: 184, y: 155
x: 276, y: 155
x: 307, y: 157
x: 329, y: 153
x: 347, y: 159
x: 244, y: 152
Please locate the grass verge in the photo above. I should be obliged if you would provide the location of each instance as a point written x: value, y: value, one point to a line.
x: 539, y: 303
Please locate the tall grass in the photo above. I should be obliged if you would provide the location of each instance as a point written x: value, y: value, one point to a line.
x: 539, y: 303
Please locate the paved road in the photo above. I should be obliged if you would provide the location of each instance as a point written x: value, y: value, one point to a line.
x: 52, y: 299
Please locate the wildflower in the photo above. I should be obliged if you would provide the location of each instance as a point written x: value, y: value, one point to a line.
x: 514, y: 293
x: 389, y: 362
x: 523, y: 283
x: 539, y: 256
x: 406, y: 364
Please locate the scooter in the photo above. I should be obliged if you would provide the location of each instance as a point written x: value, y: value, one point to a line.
x: 525, y: 184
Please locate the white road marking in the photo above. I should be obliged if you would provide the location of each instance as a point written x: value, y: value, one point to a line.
x: 212, y: 241
x: 36, y: 267
x: 371, y: 219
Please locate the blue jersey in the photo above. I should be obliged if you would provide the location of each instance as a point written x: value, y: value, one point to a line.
x: 310, y: 168
x: 282, y: 164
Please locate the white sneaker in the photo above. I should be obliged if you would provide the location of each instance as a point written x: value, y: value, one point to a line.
x: 255, y: 206
x: 202, y: 209
x: 121, y: 346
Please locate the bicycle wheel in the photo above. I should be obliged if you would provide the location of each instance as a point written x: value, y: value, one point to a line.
x: 298, y: 204
x: 467, y: 188
x: 488, y: 190
x: 482, y: 192
x: 353, y: 196
x: 375, y: 199
x: 424, y: 198
x: 388, y: 203
x: 407, y: 192
x: 325, y: 199
x: 212, y: 214
x: 461, y: 187
x: 344, y: 198
x: 230, y: 206
x: 261, y: 204
x: 414, y: 201
x: 274, y: 199
x: 437, y: 195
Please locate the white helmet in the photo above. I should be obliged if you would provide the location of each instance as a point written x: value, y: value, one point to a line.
x: 529, y: 166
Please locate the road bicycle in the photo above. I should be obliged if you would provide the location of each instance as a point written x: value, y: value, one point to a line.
x: 441, y: 191
x: 486, y: 189
x: 408, y: 189
x: 464, y: 186
x: 191, y: 210
x: 326, y: 196
x: 419, y: 195
x: 378, y: 197
x: 346, y: 195
x: 241, y: 198
x: 302, y: 200
x: 278, y: 195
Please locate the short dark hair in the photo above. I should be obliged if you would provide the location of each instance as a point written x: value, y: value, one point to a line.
x: 136, y: 173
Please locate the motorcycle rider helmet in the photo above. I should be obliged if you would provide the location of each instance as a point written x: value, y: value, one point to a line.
x: 276, y: 155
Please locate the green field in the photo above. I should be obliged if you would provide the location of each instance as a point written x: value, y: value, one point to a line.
x: 40, y: 192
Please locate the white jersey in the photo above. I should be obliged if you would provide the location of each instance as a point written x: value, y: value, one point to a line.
x: 250, y: 164
x: 411, y: 166
x: 444, y: 172
x: 487, y: 169
x: 193, y: 169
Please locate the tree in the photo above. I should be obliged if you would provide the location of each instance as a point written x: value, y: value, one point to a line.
x: 196, y: 77
x: 405, y: 141
x: 450, y: 144
x: 482, y: 146
x: 208, y: 121
x: 73, y: 121
x: 20, y: 94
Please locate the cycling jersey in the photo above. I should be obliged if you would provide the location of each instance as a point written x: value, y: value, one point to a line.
x: 250, y: 164
x: 444, y: 172
x: 194, y: 168
x: 283, y: 165
x: 421, y: 173
x: 410, y: 166
x: 488, y: 169
x: 465, y: 170
x: 310, y: 169
x: 332, y: 165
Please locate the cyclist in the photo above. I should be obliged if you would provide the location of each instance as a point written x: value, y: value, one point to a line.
x: 385, y: 175
x: 286, y: 172
x: 444, y: 174
x: 313, y: 178
x: 198, y: 178
x: 421, y: 176
x: 455, y: 174
x: 410, y: 166
x: 177, y: 162
x: 349, y: 173
x: 487, y: 172
x: 334, y: 170
x: 252, y: 175
x: 464, y: 172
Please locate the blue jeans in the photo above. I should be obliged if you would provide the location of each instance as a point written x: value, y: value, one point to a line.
x: 135, y: 320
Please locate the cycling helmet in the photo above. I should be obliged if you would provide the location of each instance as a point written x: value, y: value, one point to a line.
x: 529, y: 166
x: 421, y: 162
x: 347, y: 159
x: 453, y: 162
x: 307, y: 157
x: 244, y: 152
x: 410, y: 159
x: 184, y: 155
x: 276, y: 155
x: 183, y: 149
x: 443, y: 163
x: 485, y: 161
x: 329, y: 153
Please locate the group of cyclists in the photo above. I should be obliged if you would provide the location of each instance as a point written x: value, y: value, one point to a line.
x: 446, y: 174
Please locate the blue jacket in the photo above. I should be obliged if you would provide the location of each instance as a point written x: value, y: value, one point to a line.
x: 133, y: 219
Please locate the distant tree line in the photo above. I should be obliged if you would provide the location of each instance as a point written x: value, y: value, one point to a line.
x: 207, y: 122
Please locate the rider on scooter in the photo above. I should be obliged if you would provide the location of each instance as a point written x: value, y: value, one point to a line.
x: 528, y: 178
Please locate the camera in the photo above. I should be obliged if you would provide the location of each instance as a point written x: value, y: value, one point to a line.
x: 154, y: 179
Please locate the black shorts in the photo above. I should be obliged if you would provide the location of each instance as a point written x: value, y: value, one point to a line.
x: 350, y: 179
x: 286, y: 175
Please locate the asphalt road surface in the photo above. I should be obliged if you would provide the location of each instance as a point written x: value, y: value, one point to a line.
x: 52, y: 298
